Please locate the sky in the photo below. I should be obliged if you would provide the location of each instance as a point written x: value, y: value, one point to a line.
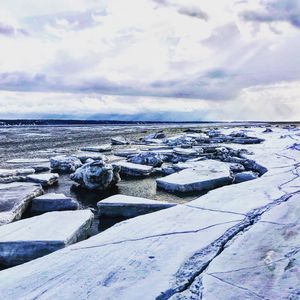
x: 159, y: 60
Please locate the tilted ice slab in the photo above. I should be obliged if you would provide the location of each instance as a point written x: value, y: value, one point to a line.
x: 53, y: 202
x: 100, y: 148
x: 186, y: 152
x: 126, y: 152
x: 43, y: 179
x: 15, y: 198
x: 159, y: 255
x: 15, y: 172
x: 132, y: 169
x: 26, y: 161
x: 155, y: 147
x: 85, y: 155
x: 34, y: 237
x: 38, y: 164
x: 13, y: 175
x: 119, y: 140
x: 205, y: 175
x: 129, y: 206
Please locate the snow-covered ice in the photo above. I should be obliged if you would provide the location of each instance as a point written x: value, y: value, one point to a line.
x: 53, y: 202
x: 204, y: 175
x: 15, y: 198
x: 131, y: 169
x: 43, y: 179
x: 30, y: 238
x: 129, y: 206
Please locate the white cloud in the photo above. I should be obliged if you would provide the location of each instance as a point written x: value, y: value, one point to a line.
x: 278, y: 102
x: 165, y: 48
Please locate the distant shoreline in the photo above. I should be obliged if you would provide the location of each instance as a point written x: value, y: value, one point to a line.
x: 45, y: 122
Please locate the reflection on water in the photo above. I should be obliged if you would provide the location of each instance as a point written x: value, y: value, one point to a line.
x: 139, y: 187
x: 145, y: 187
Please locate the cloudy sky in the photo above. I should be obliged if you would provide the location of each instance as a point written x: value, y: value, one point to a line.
x: 150, y: 59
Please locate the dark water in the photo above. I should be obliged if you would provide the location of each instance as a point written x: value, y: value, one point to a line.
x: 145, y: 187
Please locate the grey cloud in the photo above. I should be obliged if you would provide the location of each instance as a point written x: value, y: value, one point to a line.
x: 161, y: 2
x: 20, y: 81
x: 263, y: 66
x: 276, y: 11
x: 190, y: 11
x: 223, y: 36
x: 11, y: 31
x: 213, y: 85
x: 193, y: 12
x: 77, y: 20
x: 6, y: 29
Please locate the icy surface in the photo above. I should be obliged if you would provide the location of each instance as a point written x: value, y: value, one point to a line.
x: 173, y: 253
x: 53, y: 202
x: 85, y: 155
x: 30, y: 238
x: 119, y: 140
x: 126, y: 152
x: 132, y: 169
x: 264, y: 261
x: 43, y: 179
x: 128, y: 206
x: 28, y: 161
x: 15, y: 172
x: 205, y: 175
x: 186, y: 152
x: 100, y: 148
x: 15, y: 198
x: 13, y: 175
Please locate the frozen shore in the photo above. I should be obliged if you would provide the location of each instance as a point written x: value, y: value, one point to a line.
x: 196, y: 250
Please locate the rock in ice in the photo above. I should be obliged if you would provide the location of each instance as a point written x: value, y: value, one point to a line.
x: 96, y: 175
